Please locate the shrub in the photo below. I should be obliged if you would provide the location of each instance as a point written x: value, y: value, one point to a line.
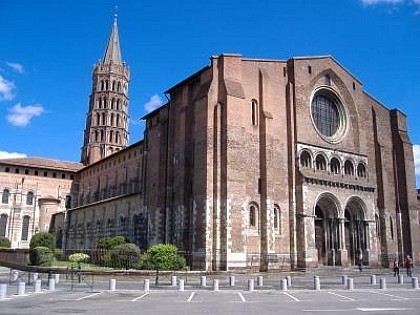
x: 41, y: 256
x: 78, y: 257
x: 42, y: 239
x: 4, y: 242
x: 110, y: 242
x: 162, y: 257
x: 58, y: 253
x: 125, y: 256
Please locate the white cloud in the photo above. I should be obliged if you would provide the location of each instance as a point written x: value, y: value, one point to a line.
x: 154, y: 102
x: 11, y: 155
x: 6, y: 89
x: 17, y: 67
x: 21, y: 116
x: 416, y: 150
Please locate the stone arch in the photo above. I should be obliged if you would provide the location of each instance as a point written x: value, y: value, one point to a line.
x: 327, y: 232
x: 305, y: 158
x: 356, y: 228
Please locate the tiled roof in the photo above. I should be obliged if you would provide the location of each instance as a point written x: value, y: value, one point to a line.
x: 44, y: 163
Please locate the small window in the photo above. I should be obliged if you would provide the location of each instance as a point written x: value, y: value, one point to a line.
x: 309, y: 69
x: 36, y: 173
x: 45, y: 174
x: 254, y: 113
x: 7, y: 170
x: 348, y: 168
x: 391, y: 227
x: 277, y: 218
x: 361, y: 170
x: 320, y: 162
x: 252, y: 216
x: 3, y: 224
x: 17, y: 171
x: 26, y: 172
x: 30, y: 198
x: 335, y: 166
x: 5, y: 196
x: 305, y: 159
x: 63, y: 176
x: 25, y: 228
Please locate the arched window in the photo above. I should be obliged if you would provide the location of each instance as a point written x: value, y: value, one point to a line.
x: 98, y: 121
x: 118, y: 104
x: 102, y: 85
x: 335, y: 166
x: 102, y: 135
x: 106, y: 85
x: 119, y: 87
x: 25, y: 228
x: 117, y: 138
x: 5, y: 196
x: 113, y: 85
x: 30, y: 198
x: 112, y: 119
x: 118, y: 120
x: 320, y: 162
x: 348, y: 168
x: 96, y: 135
x: 254, y: 112
x: 112, y: 103
x: 3, y: 224
x: 105, y: 102
x: 111, y: 136
x: 253, y: 216
x: 68, y: 202
x: 305, y: 159
x: 103, y: 119
x: 277, y: 218
x: 361, y: 170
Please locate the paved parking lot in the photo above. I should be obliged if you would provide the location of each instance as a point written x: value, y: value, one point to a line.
x: 92, y: 296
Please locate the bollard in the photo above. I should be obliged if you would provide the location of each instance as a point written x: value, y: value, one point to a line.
x: 415, y: 282
x: 112, y: 284
x: 344, y: 280
x: 400, y: 279
x: 3, y: 291
x: 260, y: 281
x: 146, y: 285
x: 283, y: 285
x: 37, y: 286
x: 21, y: 288
x: 289, y: 281
x: 30, y: 278
x: 15, y: 275
x: 250, y: 284
x: 373, y: 279
x: 317, y: 283
x: 173, y: 281
x: 232, y: 281
x: 350, y: 285
x: 216, y: 285
x: 51, y: 284
x: 34, y: 276
x: 203, y: 281
x: 382, y: 284
x: 181, y: 285
x: 57, y: 278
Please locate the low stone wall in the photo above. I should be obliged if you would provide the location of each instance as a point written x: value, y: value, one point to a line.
x: 14, y: 258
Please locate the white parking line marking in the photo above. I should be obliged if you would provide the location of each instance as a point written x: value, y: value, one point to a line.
x: 87, y: 296
x: 390, y: 295
x: 140, y: 297
x: 325, y: 311
x: 342, y: 296
x: 383, y: 309
x: 241, y: 296
x: 291, y: 296
x: 191, y: 297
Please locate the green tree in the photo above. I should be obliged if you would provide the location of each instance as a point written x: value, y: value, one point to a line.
x: 125, y: 256
x: 42, y: 239
x: 162, y: 257
x: 4, y: 242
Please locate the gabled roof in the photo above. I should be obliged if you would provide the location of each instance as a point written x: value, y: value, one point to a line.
x: 44, y: 163
x: 113, y: 51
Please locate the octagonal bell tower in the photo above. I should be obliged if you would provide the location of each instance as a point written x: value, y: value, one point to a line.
x: 106, y: 130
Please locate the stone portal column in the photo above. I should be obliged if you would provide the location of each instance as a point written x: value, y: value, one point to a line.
x: 342, y: 253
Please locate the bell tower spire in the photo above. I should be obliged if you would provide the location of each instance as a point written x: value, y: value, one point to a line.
x: 106, y: 130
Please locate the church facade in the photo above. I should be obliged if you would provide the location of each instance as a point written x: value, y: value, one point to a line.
x: 251, y: 163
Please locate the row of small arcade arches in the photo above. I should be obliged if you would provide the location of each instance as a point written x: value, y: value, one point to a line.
x: 319, y: 161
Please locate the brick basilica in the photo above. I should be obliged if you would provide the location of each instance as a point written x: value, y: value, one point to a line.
x: 251, y: 163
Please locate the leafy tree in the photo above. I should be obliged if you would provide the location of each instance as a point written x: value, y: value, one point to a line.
x: 4, y: 242
x: 125, y: 256
x: 42, y: 239
x: 162, y: 257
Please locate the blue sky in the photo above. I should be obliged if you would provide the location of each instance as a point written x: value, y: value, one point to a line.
x: 48, y: 48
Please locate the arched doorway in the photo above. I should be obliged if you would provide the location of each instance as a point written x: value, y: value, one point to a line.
x: 327, y: 236
x: 356, y: 229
